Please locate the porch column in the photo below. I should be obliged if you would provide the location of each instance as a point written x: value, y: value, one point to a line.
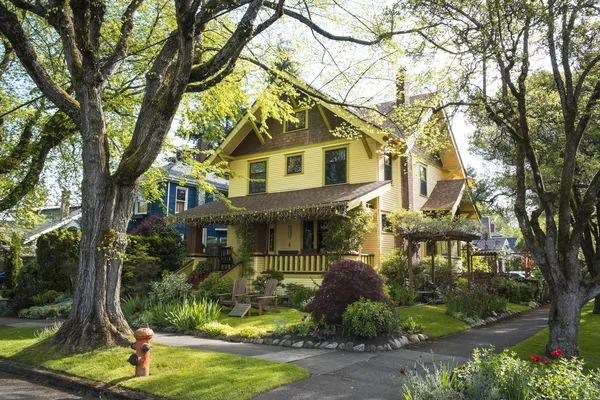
x: 194, y: 242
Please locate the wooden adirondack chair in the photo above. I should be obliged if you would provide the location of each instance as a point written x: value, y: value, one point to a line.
x: 263, y: 301
x: 238, y: 292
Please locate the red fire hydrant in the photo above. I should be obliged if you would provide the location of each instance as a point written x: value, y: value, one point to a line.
x: 141, y: 358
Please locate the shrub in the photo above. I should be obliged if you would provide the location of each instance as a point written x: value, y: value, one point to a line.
x: 298, y: 294
x: 474, y: 303
x: 409, y: 325
x: 503, y: 376
x: 139, y: 267
x: 13, y: 263
x: 346, y: 282
x: 48, y: 297
x: 514, y: 290
x: 250, y: 332
x: 369, y: 319
x: 60, y: 310
x: 171, y: 287
x: 57, y: 254
x: 215, y: 329
x: 163, y: 240
x: 191, y: 313
x: 214, y: 285
x: 160, y: 314
x: 346, y: 233
x: 29, y: 284
x: 402, y: 295
x: 203, y: 267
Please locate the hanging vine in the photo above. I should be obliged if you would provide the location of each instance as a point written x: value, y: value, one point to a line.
x: 346, y: 233
x: 246, y: 241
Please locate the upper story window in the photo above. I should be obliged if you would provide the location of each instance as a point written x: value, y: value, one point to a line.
x: 387, y: 167
x: 293, y: 164
x: 302, y: 116
x: 181, y: 199
x: 258, y: 177
x: 423, y: 180
x: 140, y: 206
x: 386, y: 225
x: 336, y: 166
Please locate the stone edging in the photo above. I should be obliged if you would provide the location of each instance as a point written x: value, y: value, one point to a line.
x: 74, y: 383
x: 500, y: 317
x: 287, y: 341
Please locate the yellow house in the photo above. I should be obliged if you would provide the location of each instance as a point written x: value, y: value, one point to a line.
x: 289, y: 184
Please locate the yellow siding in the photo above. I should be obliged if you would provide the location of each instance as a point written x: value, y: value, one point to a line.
x: 434, y: 174
x: 282, y: 239
x: 306, y: 280
x: 231, y: 238
x: 360, y: 167
x: 387, y: 244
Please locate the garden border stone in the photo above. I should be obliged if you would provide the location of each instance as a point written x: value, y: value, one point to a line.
x: 501, y: 316
x: 74, y: 383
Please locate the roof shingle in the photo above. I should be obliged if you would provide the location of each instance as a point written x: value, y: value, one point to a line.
x: 445, y: 195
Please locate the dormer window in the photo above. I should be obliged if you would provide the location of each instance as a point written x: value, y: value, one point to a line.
x: 302, y: 116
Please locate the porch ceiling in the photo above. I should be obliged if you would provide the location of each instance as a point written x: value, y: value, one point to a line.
x: 312, y: 203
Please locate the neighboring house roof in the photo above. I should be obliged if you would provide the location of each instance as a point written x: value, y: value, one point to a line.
x: 265, y: 207
x: 30, y: 235
x: 179, y: 171
x: 446, y: 195
x: 512, y: 242
x: 492, y: 245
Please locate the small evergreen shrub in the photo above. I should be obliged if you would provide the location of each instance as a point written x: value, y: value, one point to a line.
x: 48, y: 297
x: 171, y: 287
x: 60, y: 310
x: 57, y: 254
x: 409, y: 325
x: 369, y: 319
x: 163, y: 240
x: 13, y: 263
x: 298, y: 294
x: 346, y: 282
x: 514, y: 290
x: 473, y: 304
x: 214, y: 285
x: 29, y: 284
x: 250, y: 332
x: 139, y: 267
x: 215, y: 329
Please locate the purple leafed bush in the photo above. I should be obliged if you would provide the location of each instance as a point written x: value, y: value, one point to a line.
x: 151, y: 225
x: 346, y: 282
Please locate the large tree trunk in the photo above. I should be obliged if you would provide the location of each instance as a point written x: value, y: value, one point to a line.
x: 96, y: 319
x: 597, y: 305
x: 563, y: 321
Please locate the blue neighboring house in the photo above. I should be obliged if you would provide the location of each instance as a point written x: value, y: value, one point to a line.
x: 181, y: 193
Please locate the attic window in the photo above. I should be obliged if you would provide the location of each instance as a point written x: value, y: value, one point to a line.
x: 423, y: 179
x: 302, y: 116
x: 387, y: 167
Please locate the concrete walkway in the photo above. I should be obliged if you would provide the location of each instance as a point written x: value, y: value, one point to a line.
x: 371, y: 376
x: 14, y: 387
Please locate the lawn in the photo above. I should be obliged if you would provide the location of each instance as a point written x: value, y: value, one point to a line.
x: 265, y: 321
x: 177, y: 373
x: 589, y: 340
x: 518, y: 307
x: 434, y: 319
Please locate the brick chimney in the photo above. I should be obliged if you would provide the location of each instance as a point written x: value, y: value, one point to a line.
x: 65, y: 206
x: 492, y: 227
x: 401, y: 86
x: 202, y: 146
x: 485, y: 221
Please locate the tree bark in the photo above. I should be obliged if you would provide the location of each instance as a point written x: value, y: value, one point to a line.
x: 563, y: 321
x: 597, y: 305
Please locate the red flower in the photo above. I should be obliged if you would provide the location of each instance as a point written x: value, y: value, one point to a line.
x: 557, y: 353
x: 402, y: 371
x: 545, y: 360
x: 137, y: 310
x: 535, y: 358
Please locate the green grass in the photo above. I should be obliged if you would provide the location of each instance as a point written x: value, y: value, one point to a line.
x: 518, y: 307
x: 265, y: 321
x: 175, y: 372
x: 434, y: 319
x: 589, y: 340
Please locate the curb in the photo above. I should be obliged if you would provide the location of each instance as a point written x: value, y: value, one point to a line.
x: 73, y: 383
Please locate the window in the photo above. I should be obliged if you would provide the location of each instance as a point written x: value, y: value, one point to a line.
x: 429, y: 249
x: 308, y: 235
x: 423, y: 179
x: 387, y: 167
x: 302, y: 116
x: 386, y: 226
x: 293, y: 164
x: 181, y: 199
x: 140, y: 207
x: 335, y: 166
x: 258, y: 177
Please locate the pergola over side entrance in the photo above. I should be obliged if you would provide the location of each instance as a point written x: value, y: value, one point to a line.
x: 447, y: 236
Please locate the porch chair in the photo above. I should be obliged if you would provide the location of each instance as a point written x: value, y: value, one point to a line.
x: 239, y: 291
x: 262, y: 301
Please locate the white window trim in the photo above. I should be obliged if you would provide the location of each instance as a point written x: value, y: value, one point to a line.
x: 136, y: 207
x: 187, y: 193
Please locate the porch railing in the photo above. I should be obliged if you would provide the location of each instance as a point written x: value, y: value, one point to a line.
x: 309, y: 263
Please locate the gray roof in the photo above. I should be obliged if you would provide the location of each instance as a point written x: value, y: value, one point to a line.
x: 275, y: 206
x: 445, y: 195
x: 492, y: 245
x: 179, y: 171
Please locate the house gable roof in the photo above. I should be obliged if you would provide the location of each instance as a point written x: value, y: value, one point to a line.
x: 446, y: 195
